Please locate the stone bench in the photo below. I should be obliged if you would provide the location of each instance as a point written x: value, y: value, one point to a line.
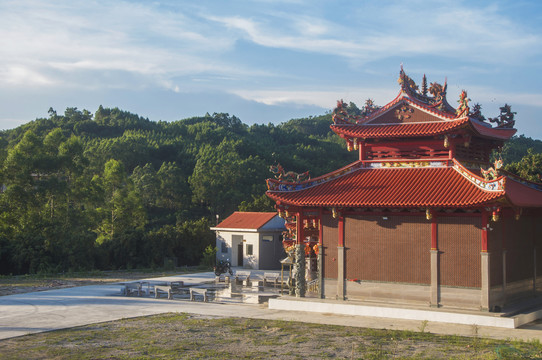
x: 168, y: 288
x: 130, y: 288
x: 162, y: 289
x: 242, y: 277
x: 271, y: 278
x: 222, y: 278
x: 198, y: 291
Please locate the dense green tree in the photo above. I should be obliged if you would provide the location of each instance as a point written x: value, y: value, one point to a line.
x: 123, y: 209
x: 529, y: 167
x: 116, y: 190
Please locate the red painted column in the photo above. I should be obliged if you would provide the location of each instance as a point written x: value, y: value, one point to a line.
x: 434, y: 233
x: 299, y: 228
x: 321, y: 283
x: 485, y: 223
x: 341, y: 231
x: 320, y: 229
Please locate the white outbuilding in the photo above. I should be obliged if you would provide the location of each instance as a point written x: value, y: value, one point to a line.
x: 251, y: 240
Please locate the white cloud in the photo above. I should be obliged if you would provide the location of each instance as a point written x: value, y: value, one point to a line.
x: 13, y: 75
x: 93, y: 37
x: 494, y: 98
x: 374, y: 30
x: 213, y: 47
x: 325, y: 99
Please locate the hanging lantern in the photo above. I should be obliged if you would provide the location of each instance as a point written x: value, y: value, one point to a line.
x: 355, y: 143
x: 334, y: 213
x: 495, y: 215
x: 349, y: 145
x: 428, y: 214
x: 518, y: 214
x: 446, y: 142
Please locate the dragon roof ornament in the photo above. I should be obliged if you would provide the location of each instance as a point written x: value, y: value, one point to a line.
x: 437, y: 92
x: 433, y: 97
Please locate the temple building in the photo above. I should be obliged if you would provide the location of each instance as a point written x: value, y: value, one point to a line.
x: 423, y: 216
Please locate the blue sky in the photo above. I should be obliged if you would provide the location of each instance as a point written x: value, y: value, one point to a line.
x: 264, y: 61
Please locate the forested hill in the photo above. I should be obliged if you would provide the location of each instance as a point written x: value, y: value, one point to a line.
x: 115, y: 190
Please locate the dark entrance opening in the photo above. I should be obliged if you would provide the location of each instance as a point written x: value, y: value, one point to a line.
x: 240, y: 254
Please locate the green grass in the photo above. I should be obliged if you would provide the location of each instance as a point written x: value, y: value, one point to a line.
x: 186, y: 336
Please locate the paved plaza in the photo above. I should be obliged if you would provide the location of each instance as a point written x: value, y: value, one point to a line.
x: 36, y: 312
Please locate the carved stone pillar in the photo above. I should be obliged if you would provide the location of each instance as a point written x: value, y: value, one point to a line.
x: 320, y: 272
x: 300, y: 284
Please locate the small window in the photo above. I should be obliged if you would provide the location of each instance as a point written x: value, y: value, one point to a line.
x: 249, y: 249
x: 224, y: 247
x: 268, y: 238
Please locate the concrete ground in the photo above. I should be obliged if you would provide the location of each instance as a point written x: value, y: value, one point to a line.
x: 29, y: 313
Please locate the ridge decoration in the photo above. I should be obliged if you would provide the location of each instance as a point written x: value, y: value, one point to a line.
x: 341, y: 114
x: 277, y: 185
x: 431, y: 98
x: 505, y: 119
x: 493, y: 172
x: 489, y: 185
x: 288, y: 176
x: 463, y: 108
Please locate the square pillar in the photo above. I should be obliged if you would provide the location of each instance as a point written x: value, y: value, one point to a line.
x: 485, y: 300
x: 435, y: 286
x: 340, y: 273
x: 340, y: 261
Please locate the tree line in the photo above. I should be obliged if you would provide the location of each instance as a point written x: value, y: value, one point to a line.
x: 113, y: 190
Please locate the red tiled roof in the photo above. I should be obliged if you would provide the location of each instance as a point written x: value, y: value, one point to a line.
x: 523, y: 193
x: 392, y: 187
x: 487, y: 131
x: 432, y: 128
x: 246, y: 220
x: 400, y: 130
x: 423, y: 121
x: 405, y: 98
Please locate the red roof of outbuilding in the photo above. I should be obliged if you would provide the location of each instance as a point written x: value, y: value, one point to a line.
x: 246, y: 220
x: 397, y: 187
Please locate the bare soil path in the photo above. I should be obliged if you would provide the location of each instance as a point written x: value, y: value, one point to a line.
x: 10, y: 285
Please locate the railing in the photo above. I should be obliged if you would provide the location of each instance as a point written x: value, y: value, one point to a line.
x: 313, y: 286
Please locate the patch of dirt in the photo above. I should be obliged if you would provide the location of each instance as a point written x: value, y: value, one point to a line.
x: 43, y: 285
x: 25, y: 284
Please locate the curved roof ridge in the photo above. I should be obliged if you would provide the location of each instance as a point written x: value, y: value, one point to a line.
x: 392, y: 187
x: 407, y: 129
x: 277, y: 185
x: 496, y: 185
x: 384, y: 109
x: 431, y: 109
